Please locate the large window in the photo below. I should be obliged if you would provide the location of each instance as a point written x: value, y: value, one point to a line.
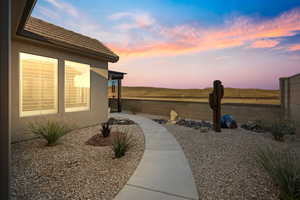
x: 38, y: 85
x: 77, y: 86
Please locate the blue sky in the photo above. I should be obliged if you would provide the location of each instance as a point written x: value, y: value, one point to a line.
x: 188, y: 44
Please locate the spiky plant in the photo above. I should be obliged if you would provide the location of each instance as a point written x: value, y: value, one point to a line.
x: 284, y: 168
x: 50, y: 130
x: 105, y: 131
x: 280, y: 128
x: 122, y: 142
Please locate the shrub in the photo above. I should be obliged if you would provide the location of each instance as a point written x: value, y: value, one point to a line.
x: 122, y: 142
x: 284, y: 169
x: 105, y: 131
x: 51, y: 130
x: 281, y: 128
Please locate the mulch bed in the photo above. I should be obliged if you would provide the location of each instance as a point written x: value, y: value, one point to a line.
x: 99, y: 140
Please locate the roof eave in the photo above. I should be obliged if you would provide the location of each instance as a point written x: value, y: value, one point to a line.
x: 21, y: 12
x: 20, y: 31
x: 80, y: 50
x: 30, y: 4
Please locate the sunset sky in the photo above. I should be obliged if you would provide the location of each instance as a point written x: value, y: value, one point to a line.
x: 189, y: 43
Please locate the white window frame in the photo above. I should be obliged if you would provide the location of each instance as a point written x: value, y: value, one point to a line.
x: 77, y: 109
x: 40, y: 112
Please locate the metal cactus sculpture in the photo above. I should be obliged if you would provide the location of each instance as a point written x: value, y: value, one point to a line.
x: 215, y: 103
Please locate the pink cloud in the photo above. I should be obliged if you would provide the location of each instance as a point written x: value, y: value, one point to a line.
x: 194, y: 38
x: 264, y: 44
x: 295, y: 47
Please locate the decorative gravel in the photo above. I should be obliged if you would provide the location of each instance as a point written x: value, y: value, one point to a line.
x: 223, y: 164
x: 72, y: 169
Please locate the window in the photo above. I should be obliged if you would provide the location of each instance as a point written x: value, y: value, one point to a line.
x: 38, y: 85
x: 77, y: 86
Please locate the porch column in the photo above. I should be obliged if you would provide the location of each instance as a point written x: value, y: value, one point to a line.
x: 119, y: 95
x: 5, y: 50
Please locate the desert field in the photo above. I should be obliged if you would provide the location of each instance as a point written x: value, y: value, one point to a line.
x: 232, y: 95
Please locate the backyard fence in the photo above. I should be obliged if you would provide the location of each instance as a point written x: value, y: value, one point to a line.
x: 290, y: 97
x: 202, y: 111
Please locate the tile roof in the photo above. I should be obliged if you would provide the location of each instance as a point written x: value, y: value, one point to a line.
x: 49, y: 32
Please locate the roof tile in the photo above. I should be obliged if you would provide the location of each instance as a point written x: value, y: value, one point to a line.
x: 59, y: 34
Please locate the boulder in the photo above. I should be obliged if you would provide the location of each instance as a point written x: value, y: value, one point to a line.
x: 173, y: 117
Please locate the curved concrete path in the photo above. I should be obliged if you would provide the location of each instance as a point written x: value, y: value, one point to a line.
x: 163, y: 172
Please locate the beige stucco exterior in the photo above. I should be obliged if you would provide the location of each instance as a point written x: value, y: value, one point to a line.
x: 290, y: 98
x: 98, y: 87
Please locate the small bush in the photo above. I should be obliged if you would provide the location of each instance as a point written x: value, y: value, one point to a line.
x: 50, y: 131
x: 105, y: 131
x: 281, y: 128
x: 121, y: 144
x: 284, y: 169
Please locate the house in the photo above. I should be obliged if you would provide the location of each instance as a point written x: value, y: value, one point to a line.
x: 46, y: 72
x: 58, y: 74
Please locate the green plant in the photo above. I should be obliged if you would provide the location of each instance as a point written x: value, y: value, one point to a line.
x: 105, y: 129
x: 122, y: 142
x: 51, y: 130
x: 284, y: 169
x: 281, y: 128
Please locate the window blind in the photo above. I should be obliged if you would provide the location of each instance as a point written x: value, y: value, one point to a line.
x: 38, y: 85
x: 77, y: 86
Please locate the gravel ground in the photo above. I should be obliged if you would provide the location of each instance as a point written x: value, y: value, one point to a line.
x: 72, y: 169
x: 223, y: 163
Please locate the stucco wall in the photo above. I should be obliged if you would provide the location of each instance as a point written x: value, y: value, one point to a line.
x: 197, y: 110
x: 295, y: 98
x: 98, y: 104
x: 290, y: 97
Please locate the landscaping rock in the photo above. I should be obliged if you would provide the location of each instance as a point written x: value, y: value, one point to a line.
x: 224, y: 165
x: 255, y: 126
x: 204, y: 129
x: 113, y: 121
x: 194, y: 124
x: 160, y: 121
x: 173, y: 117
x: 204, y: 126
x: 72, y: 170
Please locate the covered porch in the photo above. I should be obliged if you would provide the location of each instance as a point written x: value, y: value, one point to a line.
x: 115, y: 90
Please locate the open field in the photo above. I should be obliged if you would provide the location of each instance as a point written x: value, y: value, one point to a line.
x: 232, y: 95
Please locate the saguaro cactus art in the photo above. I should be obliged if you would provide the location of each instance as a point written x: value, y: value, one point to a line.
x: 215, y: 103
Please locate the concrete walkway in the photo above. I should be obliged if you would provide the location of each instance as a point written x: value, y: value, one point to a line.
x: 163, y: 172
